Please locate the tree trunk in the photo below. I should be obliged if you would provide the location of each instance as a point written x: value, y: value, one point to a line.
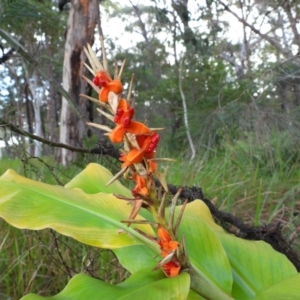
x: 81, y: 24
x: 29, y: 115
x: 37, y: 102
x: 52, y: 107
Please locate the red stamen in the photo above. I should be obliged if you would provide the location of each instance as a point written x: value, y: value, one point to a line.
x: 126, y: 121
x: 100, y: 81
x: 131, y: 112
x: 118, y: 115
x: 96, y: 81
x: 153, y: 143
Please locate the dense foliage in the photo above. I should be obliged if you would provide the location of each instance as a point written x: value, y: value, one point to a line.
x: 225, y: 73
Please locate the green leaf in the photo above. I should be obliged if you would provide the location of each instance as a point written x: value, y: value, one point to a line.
x: 146, y: 285
x: 93, y: 180
x: 255, y: 265
x: 229, y: 264
x: 136, y: 258
x: 204, y: 249
x: 91, y: 219
x: 287, y: 289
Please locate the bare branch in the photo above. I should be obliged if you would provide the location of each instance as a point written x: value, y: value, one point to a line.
x: 142, y: 25
x: 280, y: 22
x: 271, y: 233
x: 232, y: 61
x: 100, y: 149
x: 285, y: 52
x: 287, y: 8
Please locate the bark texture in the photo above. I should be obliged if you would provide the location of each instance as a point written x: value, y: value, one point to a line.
x: 81, y: 24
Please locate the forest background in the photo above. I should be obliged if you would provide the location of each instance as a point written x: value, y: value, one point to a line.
x: 223, y: 78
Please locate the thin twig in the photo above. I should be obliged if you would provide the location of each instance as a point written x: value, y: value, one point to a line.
x: 99, y: 150
x: 67, y: 268
x: 185, y: 113
x: 284, y: 51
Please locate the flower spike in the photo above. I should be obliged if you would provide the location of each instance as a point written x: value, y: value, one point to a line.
x: 138, y: 161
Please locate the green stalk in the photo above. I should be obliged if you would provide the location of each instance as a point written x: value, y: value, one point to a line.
x: 205, y: 289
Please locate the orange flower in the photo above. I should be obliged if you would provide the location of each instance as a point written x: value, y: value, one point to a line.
x: 152, y: 166
x: 167, y: 245
x: 140, y: 187
x: 148, y: 144
x: 123, y: 119
x: 172, y: 268
x: 103, y: 80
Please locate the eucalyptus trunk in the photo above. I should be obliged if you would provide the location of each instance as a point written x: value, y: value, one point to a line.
x: 37, y: 103
x: 81, y: 24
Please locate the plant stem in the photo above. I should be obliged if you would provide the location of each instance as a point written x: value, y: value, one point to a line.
x: 204, y: 288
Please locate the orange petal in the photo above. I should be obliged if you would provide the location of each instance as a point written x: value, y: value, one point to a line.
x: 138, y: 128
x: 115, y: 86
x: 173, y: 245
x: 117, y: 134
x: 168, y: 247
x: 123, y: 104
x: 134, y: 156
x: 174, y: 271
x: 140, y: 187
x: 163, y: 234
x: 171, y: 269
x: 140, y: 190
x: 143, y: 140
x: 103, y: 95
x: 152, y: 166
x: 104, y: 75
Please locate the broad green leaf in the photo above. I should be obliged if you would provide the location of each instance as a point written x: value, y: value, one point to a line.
x: 91, y: 219
x: 137, y: 257
x: 146, y: 285
x: 204, y: 249
x: 254, y: 264
x: 93, y: 180
x: 287, y: 289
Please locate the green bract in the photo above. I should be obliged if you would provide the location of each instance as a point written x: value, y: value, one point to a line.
x: 224, y: 266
